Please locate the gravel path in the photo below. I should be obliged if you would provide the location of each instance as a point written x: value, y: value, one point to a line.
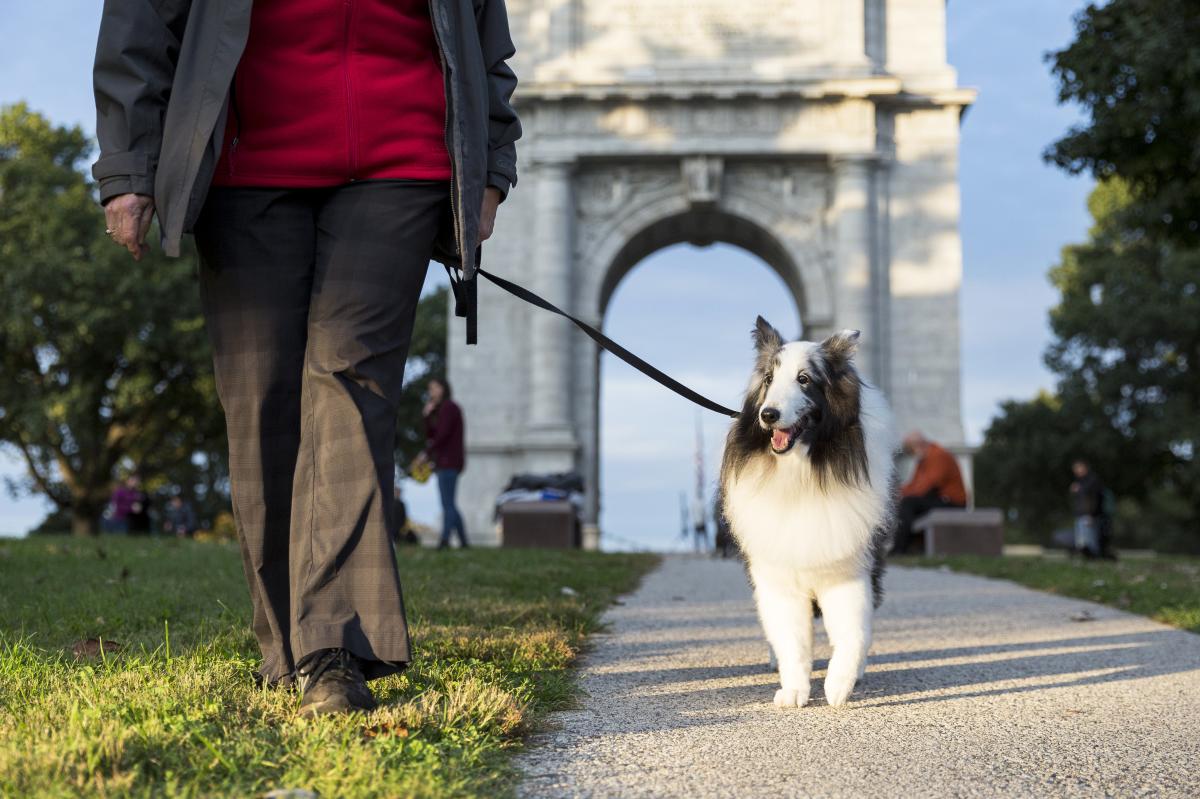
x: 974, y: 687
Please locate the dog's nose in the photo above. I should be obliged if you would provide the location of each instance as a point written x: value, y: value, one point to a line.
x: 769, y: 415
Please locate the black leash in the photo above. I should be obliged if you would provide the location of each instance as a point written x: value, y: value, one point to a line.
x: 607, y: 343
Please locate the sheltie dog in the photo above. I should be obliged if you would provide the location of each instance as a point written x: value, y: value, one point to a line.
x: 808, y: 489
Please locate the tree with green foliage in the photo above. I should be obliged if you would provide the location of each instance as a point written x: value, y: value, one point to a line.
x: 1126, y: 349
x: 1134, y: 68
x: 1127, y: 325
x: 1127, y: 345
x: 1024, y: 465
x: 105, y: 361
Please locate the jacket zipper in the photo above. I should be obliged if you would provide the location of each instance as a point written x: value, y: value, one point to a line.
x: 458, y: 234
x: 237, y: 123
x: 350, y: 140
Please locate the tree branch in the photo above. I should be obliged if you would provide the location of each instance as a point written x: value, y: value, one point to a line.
x: 41, y: 481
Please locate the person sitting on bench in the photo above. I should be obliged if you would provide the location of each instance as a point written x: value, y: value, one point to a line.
x: 935, y: 483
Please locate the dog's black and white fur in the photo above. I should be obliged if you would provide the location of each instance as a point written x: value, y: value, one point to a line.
x: 807, y: 485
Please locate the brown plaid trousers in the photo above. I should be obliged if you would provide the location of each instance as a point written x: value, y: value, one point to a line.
x: 309, y: 297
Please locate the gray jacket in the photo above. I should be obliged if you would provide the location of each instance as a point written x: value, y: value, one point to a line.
x: 162, y: 77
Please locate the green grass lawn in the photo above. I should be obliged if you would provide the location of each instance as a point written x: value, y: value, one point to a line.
x: 174, y: 712
x: 1165, y: 588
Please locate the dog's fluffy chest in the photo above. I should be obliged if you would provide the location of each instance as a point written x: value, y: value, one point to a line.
x: 781, y: 515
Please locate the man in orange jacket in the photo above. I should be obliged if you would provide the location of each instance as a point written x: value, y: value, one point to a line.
x: 935, y: 483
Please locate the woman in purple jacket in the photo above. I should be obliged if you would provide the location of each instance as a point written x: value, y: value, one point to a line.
x: 444, y: 431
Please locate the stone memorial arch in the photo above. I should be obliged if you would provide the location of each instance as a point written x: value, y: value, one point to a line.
x: 821, y: 135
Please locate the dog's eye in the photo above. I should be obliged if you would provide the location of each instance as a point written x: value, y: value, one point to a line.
x: 803, y: 379
x: 768, y: 377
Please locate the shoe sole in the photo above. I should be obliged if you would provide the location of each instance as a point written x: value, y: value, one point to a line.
x: 330, y: 707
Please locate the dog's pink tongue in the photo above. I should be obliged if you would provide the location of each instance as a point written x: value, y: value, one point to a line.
x: 780, y: 439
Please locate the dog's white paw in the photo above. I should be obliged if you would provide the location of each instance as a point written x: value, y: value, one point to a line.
x: 791, y: 697
x: 838, y: 688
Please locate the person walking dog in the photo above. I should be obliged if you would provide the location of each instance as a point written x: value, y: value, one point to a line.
x: 322, y: 151
x: 444, y: 434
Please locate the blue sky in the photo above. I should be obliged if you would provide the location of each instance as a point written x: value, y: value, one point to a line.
x: 689, y: 310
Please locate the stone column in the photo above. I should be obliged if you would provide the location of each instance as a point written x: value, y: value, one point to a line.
x: 853, y: 207
x: 852, y: 33
x: 550, y: 379
x: 880, y: 276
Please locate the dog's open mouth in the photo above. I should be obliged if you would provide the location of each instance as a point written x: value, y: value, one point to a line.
x: 784, y: 440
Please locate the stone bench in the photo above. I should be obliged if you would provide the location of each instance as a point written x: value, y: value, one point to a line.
x: 956, y: 531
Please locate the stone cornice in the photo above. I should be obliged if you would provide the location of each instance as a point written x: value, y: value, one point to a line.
x: 880, y: 88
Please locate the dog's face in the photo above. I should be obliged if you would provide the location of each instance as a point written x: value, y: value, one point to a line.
x: 803, y: 389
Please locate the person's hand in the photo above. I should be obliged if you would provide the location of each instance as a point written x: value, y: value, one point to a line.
x: 128, y: 219
x: 429, y: 408
x: 487, y: 215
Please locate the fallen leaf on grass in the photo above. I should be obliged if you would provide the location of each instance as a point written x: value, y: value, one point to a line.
x: 91, y: 647
x: 385, y: 730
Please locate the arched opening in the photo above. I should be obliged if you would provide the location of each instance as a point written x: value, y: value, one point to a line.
x: 701, y: 228
x: 689, y: 310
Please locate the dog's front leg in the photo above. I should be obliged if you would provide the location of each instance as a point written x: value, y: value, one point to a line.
x: 787, y: 621
x: 846, y: 608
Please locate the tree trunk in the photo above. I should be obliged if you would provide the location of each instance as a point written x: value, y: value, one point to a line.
x: 84, y: 521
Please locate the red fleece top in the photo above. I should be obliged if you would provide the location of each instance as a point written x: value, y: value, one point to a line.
x: 329, y: 91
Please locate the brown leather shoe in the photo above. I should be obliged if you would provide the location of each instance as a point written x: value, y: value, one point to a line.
x: 331, y: 682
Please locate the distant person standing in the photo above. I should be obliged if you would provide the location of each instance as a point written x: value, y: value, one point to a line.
x: 1087, y: 504
x: 936, y: 483
x: 131, y: 507
x: 180, y: 519
x: 444, y: 434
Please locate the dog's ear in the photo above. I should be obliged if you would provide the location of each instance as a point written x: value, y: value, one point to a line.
x: 841, y: 346
x: 766, y: 338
